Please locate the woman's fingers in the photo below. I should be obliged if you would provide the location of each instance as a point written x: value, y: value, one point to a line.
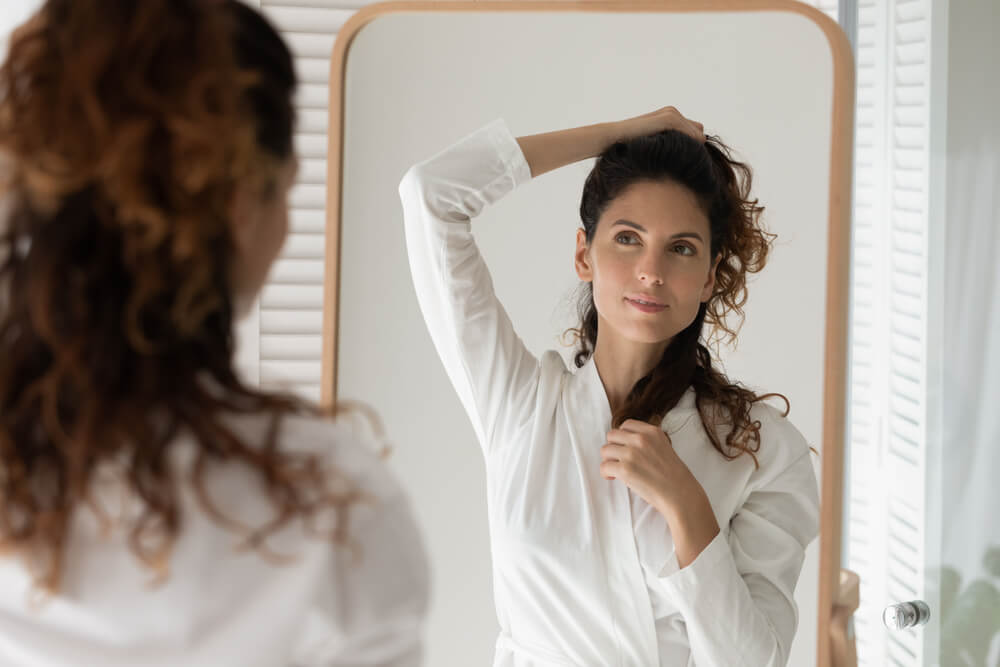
x: 664, y: 118
x: 613, y: 452
x: 677, y: 121
x: 611, y: 469
x: 622, y: 437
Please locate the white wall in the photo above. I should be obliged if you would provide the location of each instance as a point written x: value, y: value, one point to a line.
x: 12, y: 14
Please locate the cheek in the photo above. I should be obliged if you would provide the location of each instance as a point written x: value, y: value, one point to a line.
x: 277, y: 230
x: 282, y: 227
x: 694, y: 280
x: 272, y: 228
x: 610, y: 279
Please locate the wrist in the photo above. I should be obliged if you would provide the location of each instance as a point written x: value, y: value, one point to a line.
x: 683, y: 495
x: 611, y: 133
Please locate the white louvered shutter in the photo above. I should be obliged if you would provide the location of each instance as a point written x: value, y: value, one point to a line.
x: 865, y: 516
x: 829, y: 7
x: 280, y: 342
x: 887, y: 542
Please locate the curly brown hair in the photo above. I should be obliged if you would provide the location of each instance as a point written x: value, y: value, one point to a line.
x: 722, y: 187
x: 124, y: 129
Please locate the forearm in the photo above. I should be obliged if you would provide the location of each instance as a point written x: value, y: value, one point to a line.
x: 729, y: 619
x: 551, y: 150
x: 692, y: 523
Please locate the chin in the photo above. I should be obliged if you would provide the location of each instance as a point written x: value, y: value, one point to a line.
x: 647, y: 335
x: 652, y: 339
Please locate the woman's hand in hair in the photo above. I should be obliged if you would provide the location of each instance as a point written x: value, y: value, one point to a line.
x: 551, y: 150
x: 666, y: 118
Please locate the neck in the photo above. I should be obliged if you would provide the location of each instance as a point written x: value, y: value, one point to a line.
x: 624, y: 365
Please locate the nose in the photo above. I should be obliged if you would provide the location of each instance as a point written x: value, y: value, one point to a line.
x: 650, y: 279
x: 650, y: 273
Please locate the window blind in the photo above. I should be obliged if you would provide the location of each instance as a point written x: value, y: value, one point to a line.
x: 280, y: 342
x: 887, y: 493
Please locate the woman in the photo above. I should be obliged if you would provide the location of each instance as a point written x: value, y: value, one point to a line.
x: 643, y: 509
x: 154, y: 508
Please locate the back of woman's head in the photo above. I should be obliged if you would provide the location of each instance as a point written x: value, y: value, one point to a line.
x: 721, y: 186
x: 125, y: 128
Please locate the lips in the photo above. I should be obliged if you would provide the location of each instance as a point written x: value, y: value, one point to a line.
x: 650, y: 301
x: 644, y: 307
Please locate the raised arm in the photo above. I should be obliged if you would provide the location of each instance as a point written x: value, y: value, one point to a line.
x: 492, y: 371
x: 551, y: 150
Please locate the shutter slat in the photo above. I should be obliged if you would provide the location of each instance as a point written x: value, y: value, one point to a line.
x: 296, y: 18
x: 292, y: 370
x: 303, y: 246
x: 292, y: 297
x: 313, y: 121
x: 310, y: 145
x: 310, y: 45
x: 307, y: 196
x: 296, y: 347
x: 314, y: 71
x: 296, y: 272
x: 312, y: 96
x: 307, y: 221
x: 291, y: 321
x: 312, y: 170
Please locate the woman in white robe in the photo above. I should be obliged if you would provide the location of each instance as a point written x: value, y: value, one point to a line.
x: 156, y: 509
x: 615, y: 540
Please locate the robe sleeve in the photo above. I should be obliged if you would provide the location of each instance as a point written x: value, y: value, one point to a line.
x: 737, y: 596
x: 492, y: 371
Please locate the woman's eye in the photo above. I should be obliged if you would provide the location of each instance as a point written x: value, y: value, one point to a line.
x: 624, y: 235
x: 684, y: 249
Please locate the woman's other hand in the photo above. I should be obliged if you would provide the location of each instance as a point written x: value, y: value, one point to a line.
x: 642, y: 457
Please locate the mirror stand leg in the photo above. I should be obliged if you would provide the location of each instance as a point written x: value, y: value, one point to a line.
x: 843, y: 648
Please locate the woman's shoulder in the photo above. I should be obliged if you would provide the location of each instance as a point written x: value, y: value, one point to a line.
x: 346, y: 446
x: 782, y: 444
x: 349, y: 442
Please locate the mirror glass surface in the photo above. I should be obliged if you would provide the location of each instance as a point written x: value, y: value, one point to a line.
x: 417, y: 82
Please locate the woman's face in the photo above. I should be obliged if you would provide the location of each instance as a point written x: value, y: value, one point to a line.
x: 652, y: 241
x: 260, y: 225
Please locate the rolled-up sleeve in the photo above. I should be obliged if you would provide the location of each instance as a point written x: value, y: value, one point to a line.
x: 737, y: 596
x: 492, y: 371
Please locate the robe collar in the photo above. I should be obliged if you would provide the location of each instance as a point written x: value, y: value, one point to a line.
x: 590, y: 384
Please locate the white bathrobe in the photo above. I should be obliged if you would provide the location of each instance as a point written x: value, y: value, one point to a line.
x: 584, y: 570
x: 361, y: 605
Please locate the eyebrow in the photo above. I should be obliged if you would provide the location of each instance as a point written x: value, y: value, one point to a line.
x: 634, y: 225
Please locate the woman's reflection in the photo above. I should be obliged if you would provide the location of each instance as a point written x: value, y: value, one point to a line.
x: 643, y: 508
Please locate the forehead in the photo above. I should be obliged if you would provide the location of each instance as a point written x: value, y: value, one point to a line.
x: 659, y: 206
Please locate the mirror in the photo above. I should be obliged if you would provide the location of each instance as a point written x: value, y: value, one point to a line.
x: 410, y: 79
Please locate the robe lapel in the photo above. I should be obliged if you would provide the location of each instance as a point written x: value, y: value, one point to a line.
x: 628, y: 597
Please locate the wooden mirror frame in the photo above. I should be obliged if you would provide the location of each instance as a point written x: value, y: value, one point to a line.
x: 838, y: 245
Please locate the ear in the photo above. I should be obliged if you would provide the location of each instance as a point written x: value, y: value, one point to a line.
x: 709, y: 288
x: 581, y: 258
